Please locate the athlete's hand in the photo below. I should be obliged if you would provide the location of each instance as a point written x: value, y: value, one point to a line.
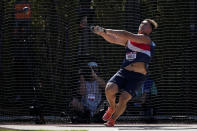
x: 98, y: 30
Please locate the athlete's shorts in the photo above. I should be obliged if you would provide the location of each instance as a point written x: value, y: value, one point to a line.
x: 128, y: 80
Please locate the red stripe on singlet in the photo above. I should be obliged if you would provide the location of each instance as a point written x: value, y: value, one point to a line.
x: 140, y: 45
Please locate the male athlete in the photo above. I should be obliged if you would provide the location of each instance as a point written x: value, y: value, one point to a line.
x: 134, y: 67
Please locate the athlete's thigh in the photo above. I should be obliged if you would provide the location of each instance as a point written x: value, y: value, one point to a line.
x: 118, y: 79
x: 134, y: 82
x: 133, y: 85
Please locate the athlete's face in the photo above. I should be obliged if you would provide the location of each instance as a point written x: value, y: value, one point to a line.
x: 145, y: 28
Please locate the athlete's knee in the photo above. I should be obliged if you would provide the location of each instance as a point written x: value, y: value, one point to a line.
x: 124, y: 97
x: 111, y: 88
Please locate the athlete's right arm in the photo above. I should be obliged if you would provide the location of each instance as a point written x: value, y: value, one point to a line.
x: 110, y: 38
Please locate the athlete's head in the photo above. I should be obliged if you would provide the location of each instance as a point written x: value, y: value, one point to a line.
x: 147, y: 26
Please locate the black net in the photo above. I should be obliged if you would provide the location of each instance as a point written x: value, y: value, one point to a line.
x: 46, y: 47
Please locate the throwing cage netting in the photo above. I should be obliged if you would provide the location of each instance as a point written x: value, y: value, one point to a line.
x: 43, y: 48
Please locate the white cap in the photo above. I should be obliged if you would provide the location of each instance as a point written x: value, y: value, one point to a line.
x: 92, y: 64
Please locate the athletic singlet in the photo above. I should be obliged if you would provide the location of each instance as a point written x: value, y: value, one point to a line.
x: 138, y: 52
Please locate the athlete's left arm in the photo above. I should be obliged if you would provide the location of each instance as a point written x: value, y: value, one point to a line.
x: 138, y: 38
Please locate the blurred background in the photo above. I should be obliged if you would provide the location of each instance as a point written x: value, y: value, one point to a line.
x: 44, y: 46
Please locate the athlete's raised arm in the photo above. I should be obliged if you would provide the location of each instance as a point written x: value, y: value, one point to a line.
x: 122, y: 36
x: 109, y: 37
x: 125, y: 36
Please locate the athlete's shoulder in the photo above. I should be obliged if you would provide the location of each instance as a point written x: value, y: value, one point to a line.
x: 144, y: 39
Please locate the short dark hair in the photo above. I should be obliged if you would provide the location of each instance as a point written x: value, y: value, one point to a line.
x: 153, y: 24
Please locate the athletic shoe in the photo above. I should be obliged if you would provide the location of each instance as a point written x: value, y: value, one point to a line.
x: 110, y: 123
x: 108, y: 114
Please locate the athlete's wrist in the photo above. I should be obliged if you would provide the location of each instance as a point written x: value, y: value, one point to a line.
x: 105, y: 30
x: 108, y: 31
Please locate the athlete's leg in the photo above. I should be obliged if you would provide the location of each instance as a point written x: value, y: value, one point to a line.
x: 122, y: 104
x: 110, y: 92
x: 116, y: 82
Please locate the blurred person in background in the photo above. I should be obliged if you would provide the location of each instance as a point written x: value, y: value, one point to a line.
x: 88, y: 107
